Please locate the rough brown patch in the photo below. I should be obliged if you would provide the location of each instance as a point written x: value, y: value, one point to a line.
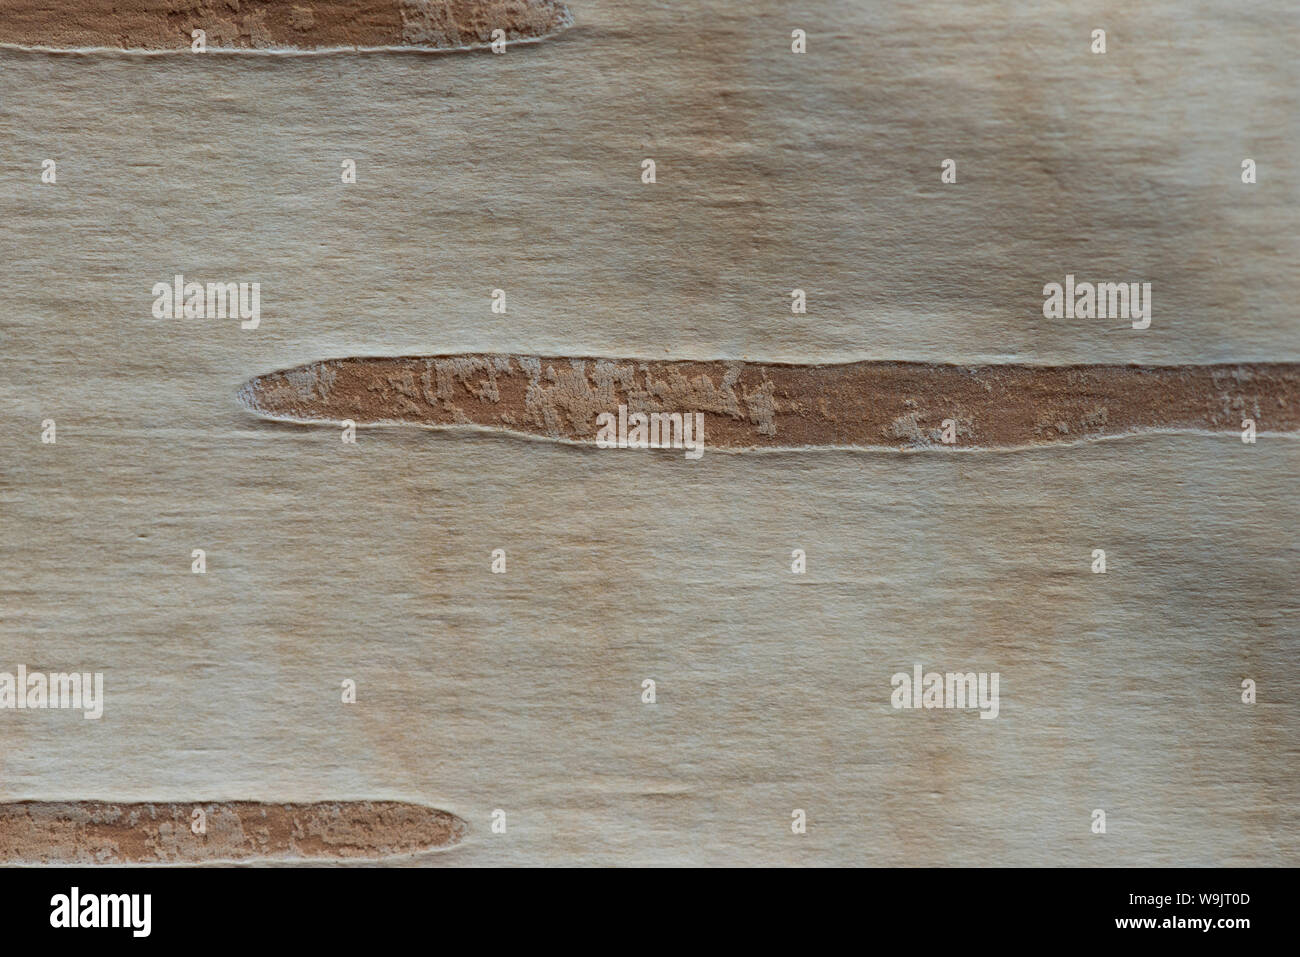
x: 276, y: 24
x: 94, y: 832
x: 747, y: 405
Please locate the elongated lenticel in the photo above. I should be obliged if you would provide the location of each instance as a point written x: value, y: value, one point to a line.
x: 103, y: 832
x: 288, y: 25
x: 746, y: 405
